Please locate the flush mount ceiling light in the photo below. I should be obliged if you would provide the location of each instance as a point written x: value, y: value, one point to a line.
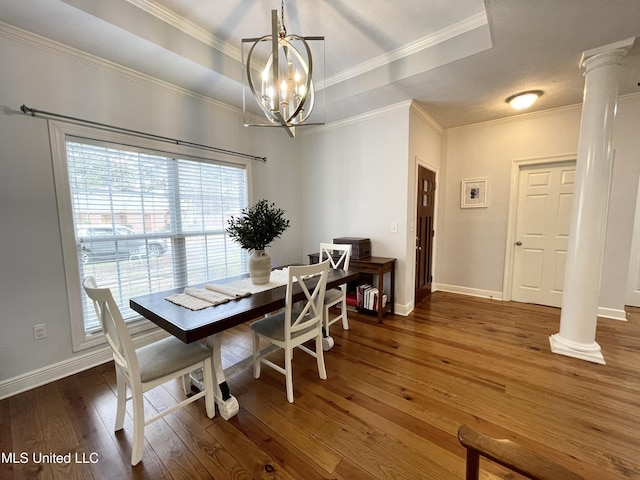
x: 523, y: 100
x: 282, y: 77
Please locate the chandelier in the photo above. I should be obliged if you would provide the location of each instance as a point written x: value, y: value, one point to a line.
x: 279, y: 73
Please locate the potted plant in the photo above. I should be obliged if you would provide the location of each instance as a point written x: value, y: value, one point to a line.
x: 254, y: 229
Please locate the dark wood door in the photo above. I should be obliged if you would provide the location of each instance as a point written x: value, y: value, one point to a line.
x: 424, y: 232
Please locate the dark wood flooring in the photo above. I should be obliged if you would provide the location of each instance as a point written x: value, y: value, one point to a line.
x: 390, y: 408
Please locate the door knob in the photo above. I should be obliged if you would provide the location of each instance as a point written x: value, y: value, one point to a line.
x: 518, y: 243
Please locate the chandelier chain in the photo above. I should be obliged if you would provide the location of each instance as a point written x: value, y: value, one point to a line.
x: 284, y: 29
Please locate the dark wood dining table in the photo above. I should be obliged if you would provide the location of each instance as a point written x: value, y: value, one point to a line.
x: 195, y: 325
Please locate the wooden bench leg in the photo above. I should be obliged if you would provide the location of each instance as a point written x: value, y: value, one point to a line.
x: 473, y: 464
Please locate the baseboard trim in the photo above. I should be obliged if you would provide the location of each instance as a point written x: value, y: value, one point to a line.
x: 612, y: 313
x: 403, y: 310
x: 474, y: 292
x: 65, y: 368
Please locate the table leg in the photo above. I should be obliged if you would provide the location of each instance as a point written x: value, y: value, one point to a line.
x: 380, y: 294
x: 227, y: 403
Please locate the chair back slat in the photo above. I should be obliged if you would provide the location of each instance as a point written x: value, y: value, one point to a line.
x: 113, y: 325
x: 308, y: 312
x: 338, y: 260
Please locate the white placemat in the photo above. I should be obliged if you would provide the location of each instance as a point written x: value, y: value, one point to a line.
x: 228, y: 290
x: 215, y: 294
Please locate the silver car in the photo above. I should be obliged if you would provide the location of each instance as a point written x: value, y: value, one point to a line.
x: 105, y: 242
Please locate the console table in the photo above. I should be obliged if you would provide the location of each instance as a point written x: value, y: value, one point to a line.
x: 373, y: 266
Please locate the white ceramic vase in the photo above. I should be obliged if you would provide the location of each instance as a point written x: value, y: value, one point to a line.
x: 259, y: 267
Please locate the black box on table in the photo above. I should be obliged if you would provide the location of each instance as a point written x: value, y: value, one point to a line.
x: 360, y: 247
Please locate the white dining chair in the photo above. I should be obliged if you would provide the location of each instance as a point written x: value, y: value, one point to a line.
x: 147, y: 367
x: 291, y: 328
x: 339, y: 256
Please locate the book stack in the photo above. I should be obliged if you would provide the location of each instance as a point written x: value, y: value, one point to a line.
x: 352, y: 300
x: 367, y: 297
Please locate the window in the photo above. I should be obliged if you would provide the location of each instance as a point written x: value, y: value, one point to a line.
x: 142, y: 218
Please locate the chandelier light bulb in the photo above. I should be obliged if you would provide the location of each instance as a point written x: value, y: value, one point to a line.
x: 280, y: 78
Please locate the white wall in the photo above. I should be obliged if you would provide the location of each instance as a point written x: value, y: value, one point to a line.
x: 472, y: 244
x: 354, y: 185
x: 622, y: 205
x: 57, y: 79
x: 360, y: 177
x: 472, y: 249
x: 279, y: 180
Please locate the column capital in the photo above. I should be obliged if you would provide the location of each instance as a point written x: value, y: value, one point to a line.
x: 606, y: 55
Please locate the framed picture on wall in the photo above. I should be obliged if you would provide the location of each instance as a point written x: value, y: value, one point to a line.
x: 473, y: 193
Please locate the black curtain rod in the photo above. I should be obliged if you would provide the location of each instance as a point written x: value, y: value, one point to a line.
x: 33, y: 112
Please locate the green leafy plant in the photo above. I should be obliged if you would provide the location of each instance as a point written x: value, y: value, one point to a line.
x: 257, y: 226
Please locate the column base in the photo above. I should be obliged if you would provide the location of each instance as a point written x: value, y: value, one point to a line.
x: 591, y: 352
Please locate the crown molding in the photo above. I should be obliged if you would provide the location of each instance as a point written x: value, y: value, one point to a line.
x: 425, y: 117
x: 416, y: 46
x: 62, y: 50
x: 540, y: 114
x: 188, y: 28
x: 59, y: 49
x: 400, y: 106
x: 629, y: 97
x: 517, y: 118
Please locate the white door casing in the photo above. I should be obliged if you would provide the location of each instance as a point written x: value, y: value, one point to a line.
x: 543, y: 209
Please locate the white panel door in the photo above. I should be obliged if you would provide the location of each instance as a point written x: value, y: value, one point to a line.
x: 545, y: 199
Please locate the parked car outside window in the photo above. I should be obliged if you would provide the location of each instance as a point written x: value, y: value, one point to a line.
x: 105, y: 242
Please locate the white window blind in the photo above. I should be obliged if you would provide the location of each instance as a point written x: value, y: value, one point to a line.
x: 146, y: 221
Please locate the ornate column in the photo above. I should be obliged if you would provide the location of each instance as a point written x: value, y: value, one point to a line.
x: 579, y: 315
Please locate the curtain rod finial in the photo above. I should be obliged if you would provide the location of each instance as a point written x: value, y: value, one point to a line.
x: 27, y: 110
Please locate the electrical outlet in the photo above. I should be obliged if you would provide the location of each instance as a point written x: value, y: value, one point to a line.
x: 40, y: 331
